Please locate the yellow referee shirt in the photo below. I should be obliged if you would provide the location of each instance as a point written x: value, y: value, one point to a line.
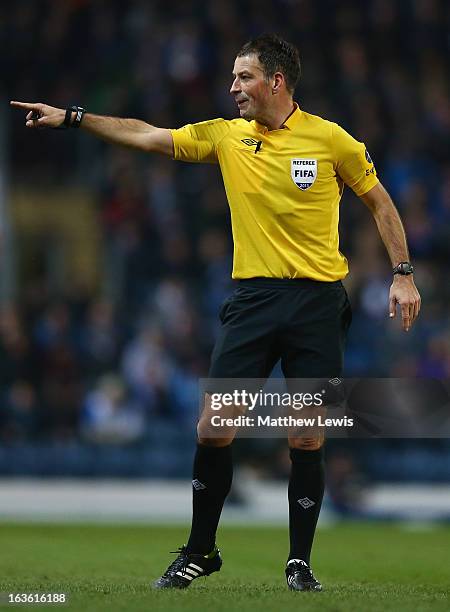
x: 283, y: 188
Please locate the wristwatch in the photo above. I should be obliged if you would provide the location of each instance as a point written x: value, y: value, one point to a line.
x: 404, y: 268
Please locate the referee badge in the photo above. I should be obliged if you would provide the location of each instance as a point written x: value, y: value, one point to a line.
x: 303, y: 172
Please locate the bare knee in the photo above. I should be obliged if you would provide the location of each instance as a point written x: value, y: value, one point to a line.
x: 210, y: 433
x: 306, y: 443
x: 209, y: 437
x: 216, y: 442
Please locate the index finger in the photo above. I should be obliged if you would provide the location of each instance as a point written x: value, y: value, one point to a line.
x: 26, y: 105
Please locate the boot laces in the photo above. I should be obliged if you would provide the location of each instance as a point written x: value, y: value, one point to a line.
x: 304, y: 571
x: 180, y: 562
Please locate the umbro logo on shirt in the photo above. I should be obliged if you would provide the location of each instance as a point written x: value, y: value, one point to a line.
x: 251, y: 142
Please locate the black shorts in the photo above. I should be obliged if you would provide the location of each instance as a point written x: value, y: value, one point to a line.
x: 300, y: 321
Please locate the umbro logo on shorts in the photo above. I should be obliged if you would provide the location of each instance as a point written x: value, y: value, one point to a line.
x: 306, y: 503
x: 198, y: 486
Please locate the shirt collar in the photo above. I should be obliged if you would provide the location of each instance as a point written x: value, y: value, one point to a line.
x: 289, y: 124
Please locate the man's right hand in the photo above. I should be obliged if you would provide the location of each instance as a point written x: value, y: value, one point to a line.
x: 132, y: 133
x: 41, y: 115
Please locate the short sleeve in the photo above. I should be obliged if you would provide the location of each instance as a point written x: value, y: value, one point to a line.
x: 197, y: 142
x: 352, y: 161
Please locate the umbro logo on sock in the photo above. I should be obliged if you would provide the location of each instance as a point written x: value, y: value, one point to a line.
x: 305, y: 502
x: 198, y: 486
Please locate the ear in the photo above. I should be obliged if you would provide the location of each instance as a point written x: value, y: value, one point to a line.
x: 277, y: 82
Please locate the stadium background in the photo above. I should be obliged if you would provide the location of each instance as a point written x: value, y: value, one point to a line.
x: 114, y: 264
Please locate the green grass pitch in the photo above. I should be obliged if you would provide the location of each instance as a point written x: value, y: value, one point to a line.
x: 362, y: 566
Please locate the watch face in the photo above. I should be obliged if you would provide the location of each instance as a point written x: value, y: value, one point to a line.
x: 403, y: 268
x: 406, y: 268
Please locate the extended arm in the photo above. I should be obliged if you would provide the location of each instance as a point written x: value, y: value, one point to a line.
x: 403, y: 290
x: 126, y: 132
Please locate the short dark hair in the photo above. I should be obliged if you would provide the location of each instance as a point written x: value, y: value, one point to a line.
x: 275, y: 55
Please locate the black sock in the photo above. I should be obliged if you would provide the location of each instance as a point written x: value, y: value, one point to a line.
x: 212, y: 476
x: 306, y: 487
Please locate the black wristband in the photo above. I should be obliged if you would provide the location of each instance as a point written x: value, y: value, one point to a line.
x: 68, y: 123
x: 67, y: 118
x: 79, y: 112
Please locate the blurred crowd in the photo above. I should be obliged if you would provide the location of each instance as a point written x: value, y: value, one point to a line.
x: 105, y: 365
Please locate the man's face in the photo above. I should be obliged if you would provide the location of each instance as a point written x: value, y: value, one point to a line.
x: 250, y: 88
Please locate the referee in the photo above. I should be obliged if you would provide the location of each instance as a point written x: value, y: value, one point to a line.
x: 284, y: 172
